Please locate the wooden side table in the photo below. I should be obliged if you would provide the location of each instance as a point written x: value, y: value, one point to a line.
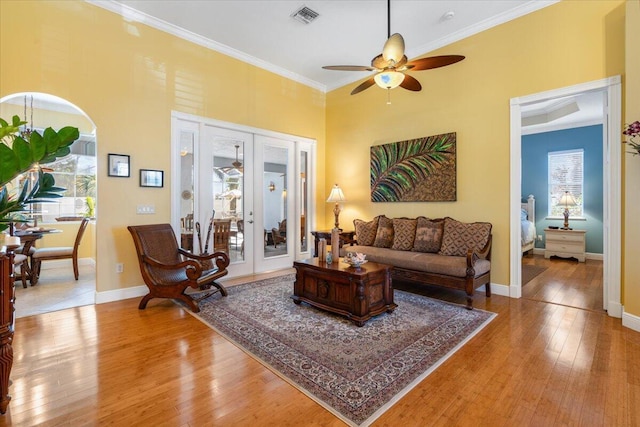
x: 345, y: 237
x: 565, y: 243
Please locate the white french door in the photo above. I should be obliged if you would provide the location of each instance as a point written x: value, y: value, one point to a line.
x: 257, y: 181
x: 224, y: 177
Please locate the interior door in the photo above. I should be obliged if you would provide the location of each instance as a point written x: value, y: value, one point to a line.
x: 225, y: 185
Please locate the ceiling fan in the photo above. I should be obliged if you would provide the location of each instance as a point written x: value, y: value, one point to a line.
x: 236, y: 165
x: 392, y: 63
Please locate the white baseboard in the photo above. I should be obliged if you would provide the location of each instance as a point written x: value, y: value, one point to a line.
x: 496, y: 289
x: 630, y: 321
x: 120, y: 294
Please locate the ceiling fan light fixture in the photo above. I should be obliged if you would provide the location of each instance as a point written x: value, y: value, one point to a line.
x: 389, y: 79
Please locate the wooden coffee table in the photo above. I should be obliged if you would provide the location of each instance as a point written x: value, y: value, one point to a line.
x: 357, y: 293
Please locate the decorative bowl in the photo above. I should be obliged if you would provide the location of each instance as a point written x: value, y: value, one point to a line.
x: 354, y: 263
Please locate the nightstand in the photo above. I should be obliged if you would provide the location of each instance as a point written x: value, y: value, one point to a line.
x: 565, y: 243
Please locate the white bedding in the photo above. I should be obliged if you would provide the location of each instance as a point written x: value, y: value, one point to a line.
x: 528, y: 231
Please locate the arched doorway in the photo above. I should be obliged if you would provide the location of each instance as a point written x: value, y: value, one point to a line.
x: 57, y: 288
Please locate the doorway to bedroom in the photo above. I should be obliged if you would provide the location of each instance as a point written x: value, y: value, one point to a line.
x: 575, y: 123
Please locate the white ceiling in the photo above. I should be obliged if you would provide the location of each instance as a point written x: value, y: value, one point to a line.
x: 347, y: 32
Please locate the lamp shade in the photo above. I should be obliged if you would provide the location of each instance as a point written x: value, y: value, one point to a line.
x: 389, y: 79
x: 567, y: 200
x: 336, y: 195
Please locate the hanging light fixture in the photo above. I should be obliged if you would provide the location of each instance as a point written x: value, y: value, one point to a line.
x: 389, y: 79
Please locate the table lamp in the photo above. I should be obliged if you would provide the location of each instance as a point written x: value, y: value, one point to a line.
x: 567, y: 200
x: 336, y: 197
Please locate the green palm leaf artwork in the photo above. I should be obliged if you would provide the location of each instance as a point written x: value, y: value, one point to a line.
x: 416, y: 170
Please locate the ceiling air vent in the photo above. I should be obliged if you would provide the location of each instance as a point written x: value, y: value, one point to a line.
x: 305, y: 15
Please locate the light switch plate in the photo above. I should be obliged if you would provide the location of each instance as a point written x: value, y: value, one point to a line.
x: 146, y: 209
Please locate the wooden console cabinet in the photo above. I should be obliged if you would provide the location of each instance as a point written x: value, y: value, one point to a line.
x: 565, y: 243
x: 7, y: 299
x: 357, y: 293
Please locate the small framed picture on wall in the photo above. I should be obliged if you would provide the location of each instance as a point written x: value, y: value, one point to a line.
x: 118, y: 165
x: 151, y: 178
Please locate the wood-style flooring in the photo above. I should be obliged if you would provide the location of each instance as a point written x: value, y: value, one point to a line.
x: 537, y: 364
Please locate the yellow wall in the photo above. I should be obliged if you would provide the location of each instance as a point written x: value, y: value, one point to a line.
x: 128, y: 78
x: 631, y: 233
x: 568, y: 43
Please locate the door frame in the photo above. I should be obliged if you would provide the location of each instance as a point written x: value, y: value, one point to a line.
x: 307, y: 142
x: 612, y: 146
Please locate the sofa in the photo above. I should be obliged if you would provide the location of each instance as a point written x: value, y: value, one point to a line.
x: 440, y: 252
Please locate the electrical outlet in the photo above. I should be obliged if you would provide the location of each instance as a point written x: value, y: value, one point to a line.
x: 539, y: 237
x: 119, y: 267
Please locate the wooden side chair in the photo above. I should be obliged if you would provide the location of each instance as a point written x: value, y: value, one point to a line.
x: 277, y: 237
x: 63, y: 252
x: 221, y: 235
x: 20, y: 260
x: 168, y: 270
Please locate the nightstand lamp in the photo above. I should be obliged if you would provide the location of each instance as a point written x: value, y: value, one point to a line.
x: 567, y: 200
x: 336, y: 196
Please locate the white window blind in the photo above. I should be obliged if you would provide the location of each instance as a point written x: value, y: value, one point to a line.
x: 566, y: 173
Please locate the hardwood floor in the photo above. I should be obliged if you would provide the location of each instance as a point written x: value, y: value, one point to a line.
x: 536, y: 364
x: 566, y: 281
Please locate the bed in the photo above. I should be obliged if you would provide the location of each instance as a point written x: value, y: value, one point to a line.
x: 528, y: 224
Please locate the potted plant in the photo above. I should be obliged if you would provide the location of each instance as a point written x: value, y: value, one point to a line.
x: 25, y: 152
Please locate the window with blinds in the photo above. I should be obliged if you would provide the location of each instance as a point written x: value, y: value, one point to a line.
x: 566, y: 173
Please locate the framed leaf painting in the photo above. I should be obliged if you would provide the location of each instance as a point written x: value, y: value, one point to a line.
x: 416, y: 170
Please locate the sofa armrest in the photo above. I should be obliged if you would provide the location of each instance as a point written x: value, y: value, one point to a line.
x: 473, y: 256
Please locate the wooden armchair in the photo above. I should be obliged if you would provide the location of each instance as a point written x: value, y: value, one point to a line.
x: 168, y: 270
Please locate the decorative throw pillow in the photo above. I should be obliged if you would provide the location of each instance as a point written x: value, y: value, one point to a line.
x: 366, y: 231
x: 384, y: 235
x: 428, y: 235
x: 458, y: 237
x: 404, y: 232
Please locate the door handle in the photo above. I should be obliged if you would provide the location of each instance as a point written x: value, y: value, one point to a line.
x: 250, y: 221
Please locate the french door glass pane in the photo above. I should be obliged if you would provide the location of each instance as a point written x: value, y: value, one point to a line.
x: 275, y: 169
x: 228, y: 192
x: 186, y: 186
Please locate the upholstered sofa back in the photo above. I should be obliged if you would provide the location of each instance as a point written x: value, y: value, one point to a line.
x: 443, y: 236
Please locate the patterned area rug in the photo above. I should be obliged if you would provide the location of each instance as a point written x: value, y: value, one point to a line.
x: 355, y: 372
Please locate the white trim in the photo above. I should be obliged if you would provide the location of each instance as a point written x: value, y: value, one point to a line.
x: 134, y: 15
x: 612, y: 184
x: 121, y: 294
x: 497, y: 289
x: 630, y: 321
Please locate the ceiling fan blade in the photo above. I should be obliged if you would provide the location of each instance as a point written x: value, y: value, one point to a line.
x: 348, y: 68
x: 364, y: 85
x: 393, y: 49
x: 410, y: 83
x: 433, y: 62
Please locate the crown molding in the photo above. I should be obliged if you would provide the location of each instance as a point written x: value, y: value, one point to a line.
x: 510, y: 15
x: 133, y: 15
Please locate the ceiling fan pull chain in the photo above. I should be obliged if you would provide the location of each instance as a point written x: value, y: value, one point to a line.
x: 388, y: 96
